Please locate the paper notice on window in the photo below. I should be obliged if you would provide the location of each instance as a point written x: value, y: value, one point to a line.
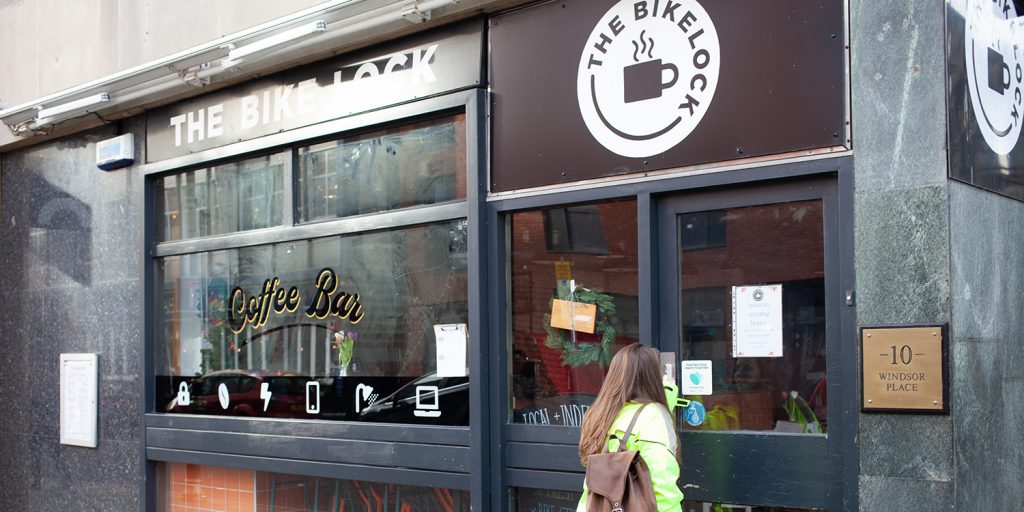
x: 78, y: 399
x: 757, y: 321
x: 696, y: 378
x: 451, y: 350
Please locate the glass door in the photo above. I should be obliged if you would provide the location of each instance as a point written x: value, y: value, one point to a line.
x: 748, y: 302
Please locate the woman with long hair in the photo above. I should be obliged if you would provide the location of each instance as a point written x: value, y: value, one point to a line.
x: 633, y: 381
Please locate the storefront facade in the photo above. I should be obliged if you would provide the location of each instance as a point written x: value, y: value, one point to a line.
x: 337, y: 286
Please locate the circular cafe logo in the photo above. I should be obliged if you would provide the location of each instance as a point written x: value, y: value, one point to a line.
x: 994, y: 72
x: 647, y: 75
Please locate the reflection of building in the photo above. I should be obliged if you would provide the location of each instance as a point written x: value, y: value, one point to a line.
x: 448, y: 168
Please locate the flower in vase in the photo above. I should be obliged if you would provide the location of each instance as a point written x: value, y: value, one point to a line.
x: 345, y: 342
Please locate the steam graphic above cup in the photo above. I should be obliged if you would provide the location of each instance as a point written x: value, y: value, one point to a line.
x: 645, y: 80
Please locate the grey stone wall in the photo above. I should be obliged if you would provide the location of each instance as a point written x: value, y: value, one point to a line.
x: 901, y: 230
x: 70, y: 268
x: 987, y: 348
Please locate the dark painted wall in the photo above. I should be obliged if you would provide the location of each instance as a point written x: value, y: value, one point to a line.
x: 70, y: 271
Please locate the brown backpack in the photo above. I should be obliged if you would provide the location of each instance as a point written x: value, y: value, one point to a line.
x: 620, y: 481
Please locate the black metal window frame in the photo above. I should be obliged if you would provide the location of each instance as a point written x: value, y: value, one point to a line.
x: 449, y: 457
x: 545, y: 457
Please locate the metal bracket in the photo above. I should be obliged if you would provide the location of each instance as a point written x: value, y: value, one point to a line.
x: 191, y: 75
x: 413, y: 13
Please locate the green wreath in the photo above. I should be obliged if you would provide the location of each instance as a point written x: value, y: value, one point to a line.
x: 581, y: 353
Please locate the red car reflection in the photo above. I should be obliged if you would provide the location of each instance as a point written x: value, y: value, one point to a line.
x: 287, y: 395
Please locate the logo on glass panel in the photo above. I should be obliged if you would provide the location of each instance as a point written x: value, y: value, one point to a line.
x: 647, y: 75
x: 994, y: 70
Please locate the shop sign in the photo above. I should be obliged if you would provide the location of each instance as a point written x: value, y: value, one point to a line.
x: 416, y: 67
x: 904, y: 369
x: 986, y: 94
x: 327, y: 300
x: 591, y: 88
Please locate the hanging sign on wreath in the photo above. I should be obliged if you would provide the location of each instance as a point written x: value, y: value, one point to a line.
x: 588, y: 311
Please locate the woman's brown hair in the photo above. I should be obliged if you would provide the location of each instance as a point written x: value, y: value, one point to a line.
x: 634, y: 374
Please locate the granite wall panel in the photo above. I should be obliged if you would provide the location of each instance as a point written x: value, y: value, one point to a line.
x: 70, y: 269
x: 987, y: 363
x: 897, y: 76
x: 901, y: 230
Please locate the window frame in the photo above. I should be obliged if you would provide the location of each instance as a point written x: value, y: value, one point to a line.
x: 389, y: 453
x: 545, y: 456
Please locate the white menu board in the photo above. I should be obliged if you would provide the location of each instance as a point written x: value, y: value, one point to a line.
x: 757, y: 321
x: 78, y: 399
x: 451, y: 350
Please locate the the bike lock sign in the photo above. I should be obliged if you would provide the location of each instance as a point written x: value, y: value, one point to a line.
x: 585, y: 89
x: 647, y: 75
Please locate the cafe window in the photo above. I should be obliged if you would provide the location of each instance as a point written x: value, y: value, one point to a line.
x: 222, y: 199
x: 556, y: 371
x: 774, y: 250
x: 368, y: 325
x: 187, y: 487
x: 574, y: 229
x: 418, y: 164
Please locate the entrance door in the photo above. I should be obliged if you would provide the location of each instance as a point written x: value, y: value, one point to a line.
x: 749, y: 287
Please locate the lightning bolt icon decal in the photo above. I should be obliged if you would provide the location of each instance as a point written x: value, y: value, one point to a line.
x: 265, y: 395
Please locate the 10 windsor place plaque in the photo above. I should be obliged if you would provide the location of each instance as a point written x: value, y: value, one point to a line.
x: 904, y: 369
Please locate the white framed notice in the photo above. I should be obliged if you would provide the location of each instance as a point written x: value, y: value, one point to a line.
x: 757, y: 321
x: 79, y: 399
x: 451, y: 349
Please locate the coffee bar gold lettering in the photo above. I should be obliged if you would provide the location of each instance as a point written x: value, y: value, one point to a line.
x: 254, y: 310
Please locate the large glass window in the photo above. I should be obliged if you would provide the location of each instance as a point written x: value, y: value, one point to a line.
x: 344, y: 328
x: 237, y: 196
x: 580, y: 254
x: 768, y: 366
x: 191, y: 487
x: 416, y: 164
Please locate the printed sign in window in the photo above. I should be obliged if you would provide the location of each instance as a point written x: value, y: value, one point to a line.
x: 757, y: 321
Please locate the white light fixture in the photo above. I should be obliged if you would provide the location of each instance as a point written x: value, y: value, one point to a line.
x: 271, y: 43
x: 139, y: 85
x: 413, y: 11
x: 16, y: 116
x: 71, y: 109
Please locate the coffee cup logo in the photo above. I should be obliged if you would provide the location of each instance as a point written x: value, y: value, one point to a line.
x: 647, y: 75
x: 994, y: 71
x: 998, y: 72
x: 643, y: 80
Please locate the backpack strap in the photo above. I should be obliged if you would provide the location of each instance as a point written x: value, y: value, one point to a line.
x: 629, y: 430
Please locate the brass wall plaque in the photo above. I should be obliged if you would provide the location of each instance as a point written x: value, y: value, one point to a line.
x: 904, y: 369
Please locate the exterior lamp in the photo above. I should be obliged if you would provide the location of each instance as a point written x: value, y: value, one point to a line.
x: 71, y: 109
x: 273, y: 42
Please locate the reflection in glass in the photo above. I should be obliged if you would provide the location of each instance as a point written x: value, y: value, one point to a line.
x: 237, y: 196
x: 772, y: 244
x: 524, y: 499
x: 382, y: 367
x: 418, y: 164
x: 594, y: 246
x: 195, y: 487
x: 701, y: 506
